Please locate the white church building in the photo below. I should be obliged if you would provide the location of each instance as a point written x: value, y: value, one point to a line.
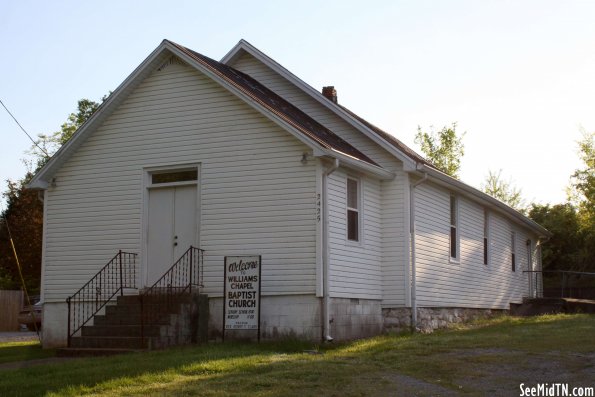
x: 357, y: 233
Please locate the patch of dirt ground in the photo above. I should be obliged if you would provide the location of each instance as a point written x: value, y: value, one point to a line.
x: 500, y: 372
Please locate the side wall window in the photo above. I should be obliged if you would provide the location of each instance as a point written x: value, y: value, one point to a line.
x: 513, y: 250
x: 529, y: 255
x: 486, y: 236
x: 454, y: 232
x: 353, y: 209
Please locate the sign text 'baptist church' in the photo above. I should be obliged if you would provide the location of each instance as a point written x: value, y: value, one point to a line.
x: 242, y: 293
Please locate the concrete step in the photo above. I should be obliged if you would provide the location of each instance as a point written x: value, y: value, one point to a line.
x: 135, y: 309
x: 134, y: 299
x: 121, y: 330
x: 123, y: 319
x: 93, y: 352
x: 109, y: 342
x: 572, y: 305
x: 537, y: 306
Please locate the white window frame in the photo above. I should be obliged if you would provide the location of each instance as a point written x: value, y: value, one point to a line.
x: 166, y: 170
x: 358, y: 210
x: 513, y: 254
x: 457, y: 242
x: 486, y: 237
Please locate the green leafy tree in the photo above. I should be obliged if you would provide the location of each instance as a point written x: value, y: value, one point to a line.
x: 564, y: 250
x: 582, y: 194
x: 572, y: 246
x: 504, y: 191
x: 582, y: 182
x: 50, y: 143
x: 24, y: 215
x: 24, y: 212
x: 444, y: 148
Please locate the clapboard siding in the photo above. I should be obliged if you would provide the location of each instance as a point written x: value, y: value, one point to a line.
x: 389, y: 237
x: 356, y: 270
x: 394, y: 238
x: 266, y: 76
x: 466, y: 282
x: 256, y: 197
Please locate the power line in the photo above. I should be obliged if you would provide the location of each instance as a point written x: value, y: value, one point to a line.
x: 19, y: 124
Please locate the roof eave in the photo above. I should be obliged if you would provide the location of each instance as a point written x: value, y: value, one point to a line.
x: 357, y: 164
x: 512, y: 214
x: 42, y: 177
x: 243, y: 45
x: 312, y: 144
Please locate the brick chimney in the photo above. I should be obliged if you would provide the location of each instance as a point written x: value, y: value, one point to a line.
x: 330, y: 93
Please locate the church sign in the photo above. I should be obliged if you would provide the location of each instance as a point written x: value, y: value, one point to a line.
x: 241, y: 310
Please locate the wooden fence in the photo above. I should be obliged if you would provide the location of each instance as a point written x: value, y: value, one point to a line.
x: 11, y: 303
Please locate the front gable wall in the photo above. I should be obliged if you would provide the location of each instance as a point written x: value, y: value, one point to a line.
x: 256, y: 196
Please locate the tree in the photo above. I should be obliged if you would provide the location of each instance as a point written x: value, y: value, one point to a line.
x: 503, y: 190
x: 444, y: 148
x: 572, y: 246
x: 582, y: 182
x: 564, y: 250
x: 24, y: 215
x: 52, y: 142
x: 25, y: 211
x: 582, y: 194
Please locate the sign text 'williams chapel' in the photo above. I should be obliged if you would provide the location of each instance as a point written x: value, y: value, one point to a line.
x: 242, y: 293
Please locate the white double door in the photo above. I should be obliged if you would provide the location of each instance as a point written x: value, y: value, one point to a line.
x: 172, y: 227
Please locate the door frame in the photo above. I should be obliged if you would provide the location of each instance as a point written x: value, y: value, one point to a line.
x: 147, y: 171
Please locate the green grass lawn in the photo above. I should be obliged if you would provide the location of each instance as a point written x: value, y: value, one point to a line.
x: 21, y: 351
x: 485, y: 358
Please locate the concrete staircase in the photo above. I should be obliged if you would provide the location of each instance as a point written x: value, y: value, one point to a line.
x: 119, y: 329
x: 538, y: 306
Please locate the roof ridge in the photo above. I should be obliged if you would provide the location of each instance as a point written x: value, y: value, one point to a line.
x: 278, y: 105
x: 390, y: 138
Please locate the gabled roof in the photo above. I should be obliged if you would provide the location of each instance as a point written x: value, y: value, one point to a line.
x: 295, y: 121
x: 389, y: 138
x: 275, y: 103
x: 385, y: 140
x: 412, y: 161
x: 272, y: 106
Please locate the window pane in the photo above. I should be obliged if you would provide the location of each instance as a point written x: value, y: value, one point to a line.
x: 453, y: 242
x: 352, y: 225
x: 453, y: 210
x: 178, y: 176
x: 352, y: 194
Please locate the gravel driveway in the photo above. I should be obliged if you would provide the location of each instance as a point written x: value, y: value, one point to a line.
x: 17, y: 336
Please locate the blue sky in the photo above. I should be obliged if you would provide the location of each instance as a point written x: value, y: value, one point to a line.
x: 517, y: 76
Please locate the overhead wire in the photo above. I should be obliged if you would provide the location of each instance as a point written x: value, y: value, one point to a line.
x: 21, y: 127
x: 14, y: 250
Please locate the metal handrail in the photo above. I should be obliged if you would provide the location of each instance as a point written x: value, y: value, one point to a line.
x: 158, y: 300
x: 119, y: 273
x: 534, y: 284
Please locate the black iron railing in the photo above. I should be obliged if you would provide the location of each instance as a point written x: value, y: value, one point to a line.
x: 111, y: 280
x: 561, y: 284
x: 159, y: 300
